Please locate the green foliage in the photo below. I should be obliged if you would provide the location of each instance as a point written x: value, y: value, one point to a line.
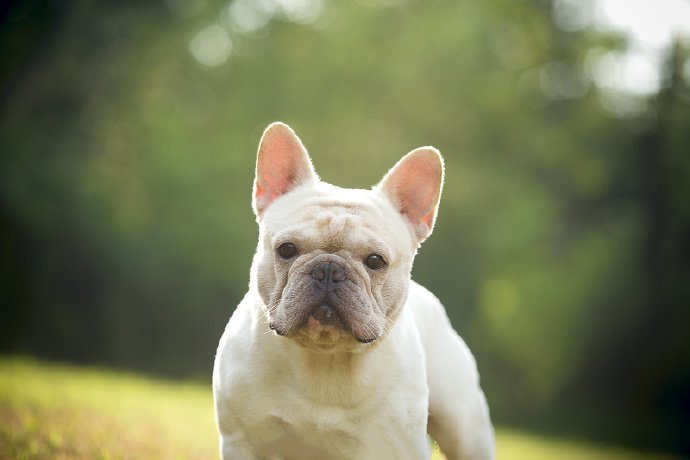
x: 128, y: 134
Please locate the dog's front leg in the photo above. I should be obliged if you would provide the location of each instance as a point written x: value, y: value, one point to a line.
x: 458, y: 414
x: 232, y: 448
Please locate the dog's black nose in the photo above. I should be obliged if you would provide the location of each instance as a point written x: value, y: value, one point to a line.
x: 328, y: 272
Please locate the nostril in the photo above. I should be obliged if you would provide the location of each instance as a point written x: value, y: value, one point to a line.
x: 319, y: 272
x: 330, y: 272
x: 337, y: 273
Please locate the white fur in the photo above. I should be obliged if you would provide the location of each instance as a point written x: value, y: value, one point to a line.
x: 287, y: 398
x: 275, y: 399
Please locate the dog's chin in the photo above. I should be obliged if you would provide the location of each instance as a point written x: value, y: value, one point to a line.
x: 327, y: 342
x: 326, y: 338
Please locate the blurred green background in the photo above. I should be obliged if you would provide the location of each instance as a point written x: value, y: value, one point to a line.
x: 128, y: 133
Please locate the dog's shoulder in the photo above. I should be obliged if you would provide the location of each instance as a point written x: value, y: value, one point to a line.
x: 236, y: 344
x: 427, y: 310
x: 435, y: 329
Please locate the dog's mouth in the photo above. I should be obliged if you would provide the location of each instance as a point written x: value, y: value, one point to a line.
x: 324, y: 317
x: 324, y: 301
x: 325, y: 326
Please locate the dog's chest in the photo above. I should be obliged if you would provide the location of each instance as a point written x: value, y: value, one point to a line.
x: 282, y: 421
x: 305, y: 432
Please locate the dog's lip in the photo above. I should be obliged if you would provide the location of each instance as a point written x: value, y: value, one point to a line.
x: 328, y: 329
x: 273, y: 327
x: 366, y: 341
x: 326, y: 315
x: 311, y: 323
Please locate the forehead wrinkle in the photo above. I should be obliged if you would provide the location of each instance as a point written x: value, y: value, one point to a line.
x: 346, y: 232
x: 337, y: 223
x: 351, y: 220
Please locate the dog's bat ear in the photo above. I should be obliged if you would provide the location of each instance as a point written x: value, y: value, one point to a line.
x: 282, y: 164
x: 414, y: 187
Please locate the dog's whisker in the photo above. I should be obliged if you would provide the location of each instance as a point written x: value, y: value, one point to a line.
x: 263, y: 317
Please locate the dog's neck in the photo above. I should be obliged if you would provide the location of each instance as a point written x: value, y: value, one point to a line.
x: 333, y: 378
x: 340, y: 378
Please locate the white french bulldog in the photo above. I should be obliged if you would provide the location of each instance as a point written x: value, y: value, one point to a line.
x: 335, y: 353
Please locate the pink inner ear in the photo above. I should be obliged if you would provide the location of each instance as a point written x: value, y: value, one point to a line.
x: 260, y: 193
x: 276, y: 173
x: 282, y: 164
x: 428, y: 219
x: 417, y: 185
x: 414, y: 184
x: 277, y: 177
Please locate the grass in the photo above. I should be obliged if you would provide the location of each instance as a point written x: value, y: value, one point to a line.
x: 49, y: 411
x: 60, y: 412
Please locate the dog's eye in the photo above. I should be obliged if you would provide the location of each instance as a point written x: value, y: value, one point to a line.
x: 287, y: 250
x: 375, y: 261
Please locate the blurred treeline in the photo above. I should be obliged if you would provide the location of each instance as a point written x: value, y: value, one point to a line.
x: 128, y: 135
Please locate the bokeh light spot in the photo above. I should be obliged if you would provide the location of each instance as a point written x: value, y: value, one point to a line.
x: 211, y: 46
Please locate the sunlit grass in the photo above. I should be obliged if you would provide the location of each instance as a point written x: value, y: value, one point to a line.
x: 49, y: 411
x: 520, y: 446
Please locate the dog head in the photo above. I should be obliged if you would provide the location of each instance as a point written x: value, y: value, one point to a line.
x: 332, y: 266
